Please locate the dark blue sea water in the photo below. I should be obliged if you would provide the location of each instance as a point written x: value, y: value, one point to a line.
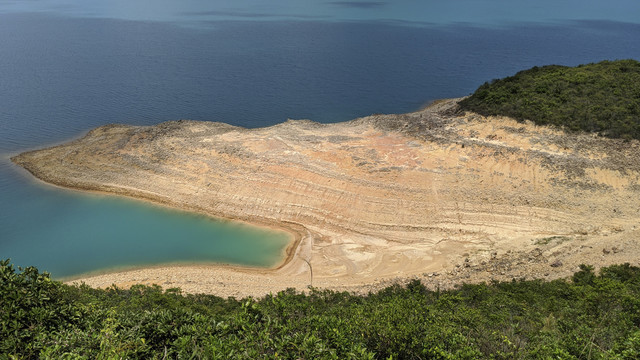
x: 67, y: 66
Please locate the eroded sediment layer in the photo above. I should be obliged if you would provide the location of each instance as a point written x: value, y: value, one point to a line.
x: 435, y: 191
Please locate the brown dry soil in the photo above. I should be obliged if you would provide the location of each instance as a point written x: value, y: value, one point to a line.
x: 439, y: 195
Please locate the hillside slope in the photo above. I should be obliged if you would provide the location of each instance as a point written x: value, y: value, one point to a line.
x: 602, y: 98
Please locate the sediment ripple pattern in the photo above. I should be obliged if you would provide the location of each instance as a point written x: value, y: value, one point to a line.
x: 382, y: 195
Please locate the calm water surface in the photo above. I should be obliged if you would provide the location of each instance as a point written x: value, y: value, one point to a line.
x: 67, y: 66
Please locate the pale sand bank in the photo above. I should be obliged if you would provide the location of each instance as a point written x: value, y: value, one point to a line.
x: 375, y: 199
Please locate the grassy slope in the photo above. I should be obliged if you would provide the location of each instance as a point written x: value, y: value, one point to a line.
x: 602, y: 97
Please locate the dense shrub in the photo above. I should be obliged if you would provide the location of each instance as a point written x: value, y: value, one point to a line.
x: 602, y: 98
x: 592, y: 316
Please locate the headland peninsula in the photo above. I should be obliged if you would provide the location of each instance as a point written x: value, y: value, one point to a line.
x: 442, y: 194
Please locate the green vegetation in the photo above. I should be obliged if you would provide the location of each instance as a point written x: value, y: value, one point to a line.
x: 602, y: 98
x: 590, y: 317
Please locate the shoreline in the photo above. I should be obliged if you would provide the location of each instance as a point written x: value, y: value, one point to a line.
x: 287, y: 255
x: 431, y: 194
x: 294, y: 231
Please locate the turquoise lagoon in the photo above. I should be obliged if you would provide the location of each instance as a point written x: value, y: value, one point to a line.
x: 74, y: 233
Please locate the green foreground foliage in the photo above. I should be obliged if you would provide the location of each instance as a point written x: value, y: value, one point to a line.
x: 589, y: 317
x: 602, y: 98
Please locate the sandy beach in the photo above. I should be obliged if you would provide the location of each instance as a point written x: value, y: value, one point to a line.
x: 439, y: 195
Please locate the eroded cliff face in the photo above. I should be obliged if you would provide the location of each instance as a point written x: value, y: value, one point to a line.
x: 382, y: 196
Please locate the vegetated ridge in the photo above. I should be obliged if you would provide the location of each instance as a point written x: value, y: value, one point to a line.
x: 603, y: 97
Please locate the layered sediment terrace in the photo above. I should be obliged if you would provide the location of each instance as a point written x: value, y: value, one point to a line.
x: 436, y: 194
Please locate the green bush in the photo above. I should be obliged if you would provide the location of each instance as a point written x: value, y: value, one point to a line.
x: 603, y: 98
x: 31, y: 307
x: 591, y: 316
